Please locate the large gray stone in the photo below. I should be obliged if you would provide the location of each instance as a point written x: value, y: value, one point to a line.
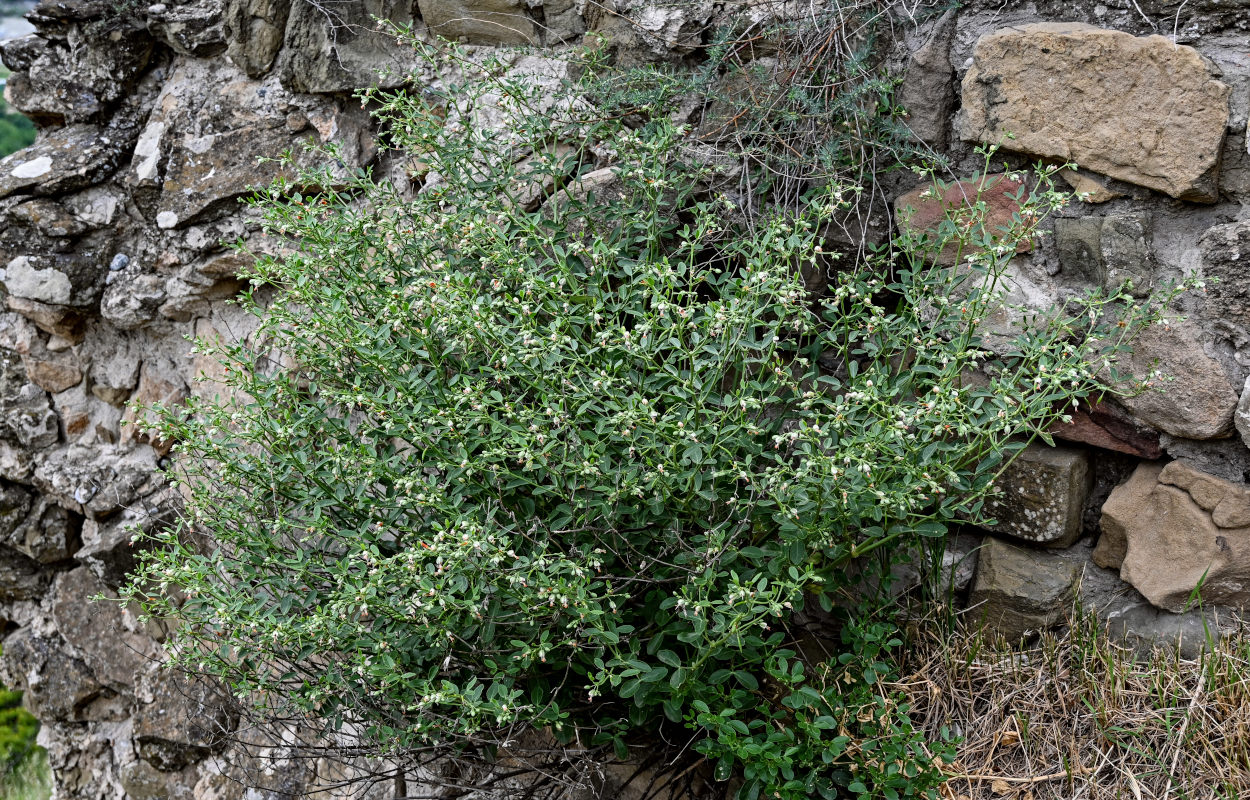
x: 49, y: 534
x: 1020, y: 591
x: 95, y: 481
x: 109, y: 548
x: 56, y: 84
x: 63, y: 160
x: 1199, y: 400
x: 928, y: 88
x: 190, y: 27
x: 1108, y: 251
x: 62, y: 280
x: 26, y: 417
x: 57, y: 686
x: 1143, y: 110
x: 1042, y: 495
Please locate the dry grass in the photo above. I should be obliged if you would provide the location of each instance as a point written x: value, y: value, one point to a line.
x: 1077, y: 716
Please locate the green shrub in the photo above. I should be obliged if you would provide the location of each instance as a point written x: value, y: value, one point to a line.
x: 574, y: 459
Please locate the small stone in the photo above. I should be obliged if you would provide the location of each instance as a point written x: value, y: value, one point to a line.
x: 35, y: 168
x: 119, y: 262
x: 1088, y: 189
x: 166, y: 220
x: 1199, y: 402
x: 157, y: 9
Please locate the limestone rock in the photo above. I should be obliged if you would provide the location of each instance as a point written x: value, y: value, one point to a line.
x: 254, y: 31
x: 1107, y: 251
x: 26, y: 417
x: 57, y: 320
x: 346, y: 51
x: 650, y: 29
x: 186, y: 719
x: 191, y: 28
x: 1173, y: 542
x: 21, y: 578
x: 1105, y: 425
x: 157, y: 388
x: 108, y: 546
x: 1131, y: 620
x: 1226, y: 257
x: 1042, y: 495
x: 56, y: 84
x: 1120, y: 507
x: 97, y: 631
x: 57, y: 686
x: 921, y: 210
x: 1224, y: 458
x: 1199, y: 402
x: 132, y: 299
x: 114, y: 370
x: 53, y: 372
x: 49, y: 534
x: 14, y: 507
x: 63, y: 160
x: 492, y: 22
x: 64, y: 280
x: 562, y: 21
x: 1140, y: 109
x: 95, y: 481
x: 142, y: 781
x: 47, y: 217
x: 928, y: 87
x: 1019, y: 591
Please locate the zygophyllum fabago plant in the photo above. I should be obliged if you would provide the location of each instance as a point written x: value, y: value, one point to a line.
x: 549, y: 456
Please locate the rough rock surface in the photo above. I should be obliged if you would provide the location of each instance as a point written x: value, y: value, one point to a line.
x: 1242, y: 419
x: 1041, y: 496
x: 1199, y: 401
x: 1140, y: 109
x: 1105, y: 425
x: 1019, y: 591
x: 1226, y: 259
x: 1186, y: 534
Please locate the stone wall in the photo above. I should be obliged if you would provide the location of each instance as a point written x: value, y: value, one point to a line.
x: 152, y: 118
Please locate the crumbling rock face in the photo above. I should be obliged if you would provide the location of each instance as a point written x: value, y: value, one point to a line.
x: 153, y: 117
